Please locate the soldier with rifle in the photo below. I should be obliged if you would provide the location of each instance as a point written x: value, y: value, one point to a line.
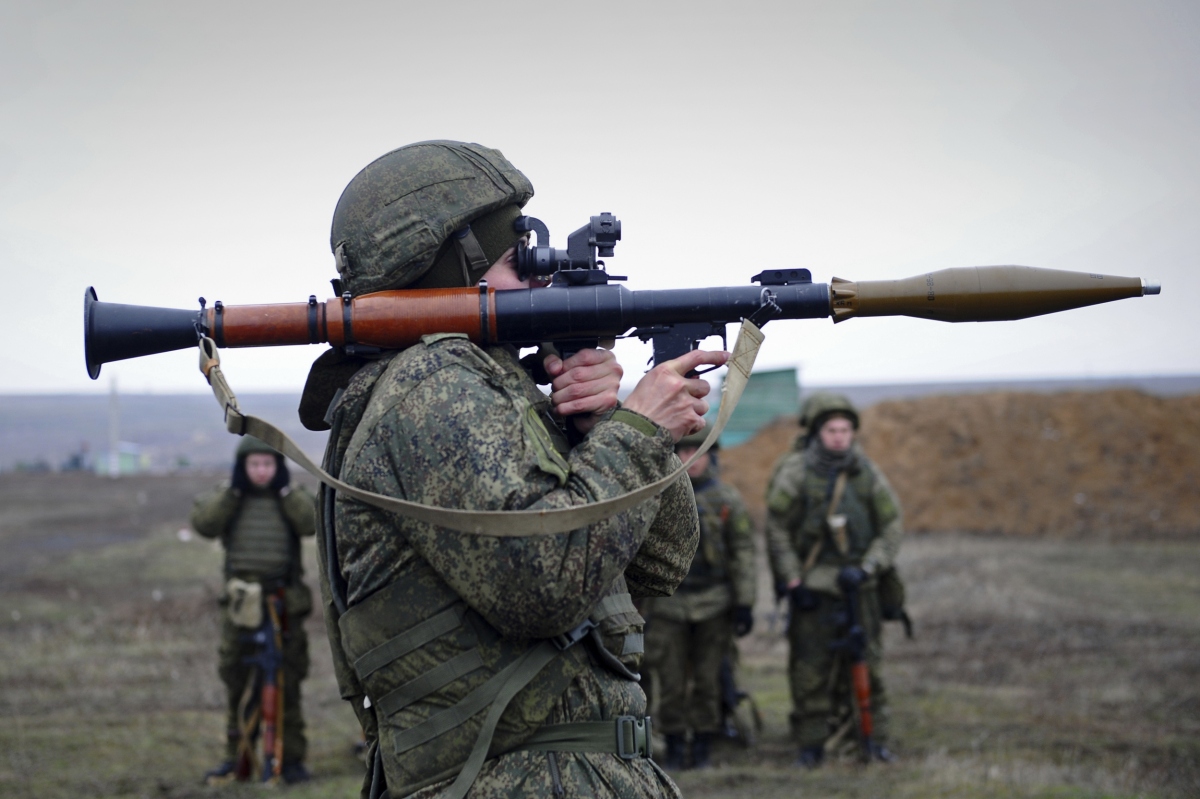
x: 263, y: 655
x: 833, y: 528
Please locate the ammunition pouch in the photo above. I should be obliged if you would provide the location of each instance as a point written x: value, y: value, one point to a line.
x: 243, y: 601
x: 891, y: 599
x: 620, y: 629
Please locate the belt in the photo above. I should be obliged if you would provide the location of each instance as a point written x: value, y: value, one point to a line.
x: 628, y: 737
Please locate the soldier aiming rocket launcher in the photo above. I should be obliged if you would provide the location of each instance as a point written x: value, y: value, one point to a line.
x: 583, y: 305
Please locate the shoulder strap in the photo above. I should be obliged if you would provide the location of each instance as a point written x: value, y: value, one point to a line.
x: 839, y: 488
x: 493, y: 523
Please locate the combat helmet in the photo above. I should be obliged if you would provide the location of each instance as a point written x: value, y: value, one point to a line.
x: 250, y: 444
x: 823, y: 404
x: 441, y: 211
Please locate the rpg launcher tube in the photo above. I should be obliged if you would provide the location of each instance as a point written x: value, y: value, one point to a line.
x: 398, y: 319
x: 981, y: 293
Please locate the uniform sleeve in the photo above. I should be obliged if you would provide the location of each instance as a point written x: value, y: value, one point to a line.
x: 885, y: 507
x: 739, y: 532
x: 458, y: 440
x: 666, y: 554
x: 300, y: 508
x: 213, y: 512
x: 785, y: 512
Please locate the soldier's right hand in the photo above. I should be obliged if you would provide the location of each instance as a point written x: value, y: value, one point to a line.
x: 668, y: 398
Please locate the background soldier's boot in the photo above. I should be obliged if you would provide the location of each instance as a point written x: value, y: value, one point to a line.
x: 700, y: 750
x: 293, y: 772
x: 675, y: 749
x: 882, y: 753
x: 811, y: 757
x: 223, y: 773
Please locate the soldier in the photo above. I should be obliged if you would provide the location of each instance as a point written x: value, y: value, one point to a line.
x: 260, y: 521
x: 809, y: 543
x: 688, y: 634
x: 506, y: 666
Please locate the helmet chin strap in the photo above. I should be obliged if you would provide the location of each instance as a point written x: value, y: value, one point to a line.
x: 470, y: 255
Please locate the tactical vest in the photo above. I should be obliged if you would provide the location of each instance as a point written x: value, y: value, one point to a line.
x: 437, y: 687
x: 861, y: 528
x: 711, y: 565
x: 259, y: 543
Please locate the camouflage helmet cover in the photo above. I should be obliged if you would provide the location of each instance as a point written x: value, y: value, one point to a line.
x: 820, y: 406
x: 249, y: 445
x: 395, y: 215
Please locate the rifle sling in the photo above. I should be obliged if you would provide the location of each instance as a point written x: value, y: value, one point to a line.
x: 503, y: 523
x: 839, y: 488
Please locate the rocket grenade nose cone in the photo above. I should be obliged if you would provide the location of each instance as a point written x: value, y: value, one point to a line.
x: 1150, y: 287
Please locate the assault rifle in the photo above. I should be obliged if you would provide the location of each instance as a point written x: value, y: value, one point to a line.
x: 583, y: 305
x: 267, y: 680
x: 853, y: 647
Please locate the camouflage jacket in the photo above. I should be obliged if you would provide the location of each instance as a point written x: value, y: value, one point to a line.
x: 798, y: 500
x: 723, y: 573
x: 448, y: 424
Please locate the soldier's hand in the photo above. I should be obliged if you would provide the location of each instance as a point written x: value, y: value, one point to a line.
x: 851, y: 577
x: 743, y: 620
x: 803, y: 600
x: 584, y: 386
x: 671, y: 400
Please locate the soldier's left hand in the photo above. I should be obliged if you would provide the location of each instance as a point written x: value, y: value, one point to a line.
x: 743, y: 620
x: 584, y: 386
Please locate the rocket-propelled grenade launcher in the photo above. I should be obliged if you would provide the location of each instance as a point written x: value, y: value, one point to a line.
x: 581, y: 307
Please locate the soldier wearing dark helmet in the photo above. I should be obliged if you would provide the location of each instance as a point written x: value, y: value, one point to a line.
x: 260, y: 520
x: 506, y: 666
x: 688, y: 634
x: 829, y: 509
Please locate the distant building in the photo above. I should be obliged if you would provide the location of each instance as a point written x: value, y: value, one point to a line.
x: 769, y: 395
x: 126, y: 460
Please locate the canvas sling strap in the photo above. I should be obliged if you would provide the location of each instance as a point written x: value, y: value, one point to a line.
x: 504, y: 523
x: 839, y: 488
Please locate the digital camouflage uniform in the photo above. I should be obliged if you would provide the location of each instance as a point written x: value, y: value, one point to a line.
x: 442, y: 639
x: 797, y: 506
x: 261, y: 531
x: 688, y: 634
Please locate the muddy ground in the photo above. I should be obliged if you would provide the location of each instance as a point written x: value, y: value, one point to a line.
x: 1040, y: 668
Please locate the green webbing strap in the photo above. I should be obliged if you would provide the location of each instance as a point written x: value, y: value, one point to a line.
x: 471, y: 258
x: 436, y: 678
x: 611, y: 605
x: 524, y: 670
x: 407, y: 641
x: 501, y: 523
x: 453, y: 716
x: 635, y: 644
x: 626, y: 736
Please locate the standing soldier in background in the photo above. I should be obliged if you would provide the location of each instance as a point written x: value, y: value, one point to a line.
x: 809, y: 543
x: 260, y: 522
x: 689, y: 633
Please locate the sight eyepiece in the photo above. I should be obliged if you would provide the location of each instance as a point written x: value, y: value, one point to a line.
x: 596, y: 239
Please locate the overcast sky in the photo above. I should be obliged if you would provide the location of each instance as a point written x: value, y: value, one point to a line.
x: 163, y: 151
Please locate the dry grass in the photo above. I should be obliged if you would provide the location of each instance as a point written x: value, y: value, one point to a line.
x: 1041, y: 668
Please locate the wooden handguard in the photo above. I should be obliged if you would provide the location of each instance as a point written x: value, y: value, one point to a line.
x: 385, y: 319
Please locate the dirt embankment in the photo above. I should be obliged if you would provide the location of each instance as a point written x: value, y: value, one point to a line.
x: 1114, y: 464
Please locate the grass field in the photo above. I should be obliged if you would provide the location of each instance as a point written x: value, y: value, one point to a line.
x: 1040, y: 669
